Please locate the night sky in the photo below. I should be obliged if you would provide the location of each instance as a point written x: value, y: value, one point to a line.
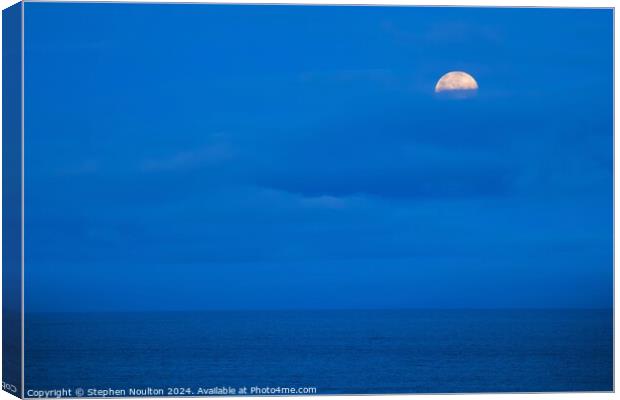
x: 183, y: 157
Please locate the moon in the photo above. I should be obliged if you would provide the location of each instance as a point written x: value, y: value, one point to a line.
x: 456, y: 80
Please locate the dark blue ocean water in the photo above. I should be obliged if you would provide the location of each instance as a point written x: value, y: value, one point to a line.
x: 418, y: 351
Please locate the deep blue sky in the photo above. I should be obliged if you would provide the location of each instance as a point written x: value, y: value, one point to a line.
x: 216, y: 157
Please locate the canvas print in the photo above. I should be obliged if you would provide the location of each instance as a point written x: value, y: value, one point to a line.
x: 226, y: 199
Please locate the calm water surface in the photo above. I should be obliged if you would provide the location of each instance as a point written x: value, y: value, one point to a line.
x: 420, y: 351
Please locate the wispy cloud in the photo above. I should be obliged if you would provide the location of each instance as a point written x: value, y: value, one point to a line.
x: 217, y: 151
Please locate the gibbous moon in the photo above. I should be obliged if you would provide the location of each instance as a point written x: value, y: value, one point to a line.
x: 456, y: 80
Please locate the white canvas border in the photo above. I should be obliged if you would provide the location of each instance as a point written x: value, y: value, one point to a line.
x: 479, y: 3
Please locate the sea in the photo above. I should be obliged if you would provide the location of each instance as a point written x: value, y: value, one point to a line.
x: 319, y: 352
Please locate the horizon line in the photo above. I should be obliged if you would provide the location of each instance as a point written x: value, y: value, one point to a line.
x: 220, y: 310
